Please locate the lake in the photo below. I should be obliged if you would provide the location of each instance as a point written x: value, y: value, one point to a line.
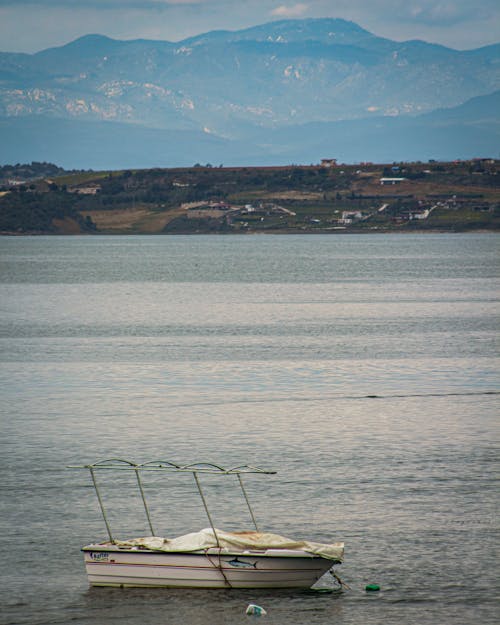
x: 364, y: 369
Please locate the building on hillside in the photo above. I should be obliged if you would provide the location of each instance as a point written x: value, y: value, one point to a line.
x: 348, y: 217
x: 422, y: 214
x: 328, y: 162
x: 91, y: 189
x: 391, y: 180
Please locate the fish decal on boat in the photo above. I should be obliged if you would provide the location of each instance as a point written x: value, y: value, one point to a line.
x: 242, y: 565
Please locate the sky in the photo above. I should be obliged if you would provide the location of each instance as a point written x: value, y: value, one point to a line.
x: 33, y: 25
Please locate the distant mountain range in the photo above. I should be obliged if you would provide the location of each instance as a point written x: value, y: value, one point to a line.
x: 289, y: 91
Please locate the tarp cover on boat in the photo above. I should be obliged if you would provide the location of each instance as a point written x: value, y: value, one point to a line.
x: 240, y: 541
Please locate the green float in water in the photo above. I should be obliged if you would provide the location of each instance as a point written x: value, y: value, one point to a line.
x: 372, y: 588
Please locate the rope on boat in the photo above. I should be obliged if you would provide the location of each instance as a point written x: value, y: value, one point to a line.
x: 219, y: 566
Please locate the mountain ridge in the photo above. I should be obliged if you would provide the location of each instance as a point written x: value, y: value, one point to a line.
x: 236, y: 84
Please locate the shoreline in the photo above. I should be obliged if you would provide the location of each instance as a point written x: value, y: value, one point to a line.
x: 253, y: 233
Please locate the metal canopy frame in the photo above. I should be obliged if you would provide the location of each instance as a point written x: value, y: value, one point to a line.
x: 118, y: 464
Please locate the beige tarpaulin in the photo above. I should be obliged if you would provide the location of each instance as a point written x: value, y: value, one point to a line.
x: 232, y: 541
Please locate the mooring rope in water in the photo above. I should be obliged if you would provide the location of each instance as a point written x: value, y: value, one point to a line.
x: 369, y: 588
x: 339, y: 580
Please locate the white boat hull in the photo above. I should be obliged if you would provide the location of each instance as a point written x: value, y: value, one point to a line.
x: 274, y: 568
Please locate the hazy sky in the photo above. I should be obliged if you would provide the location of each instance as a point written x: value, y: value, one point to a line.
x: 32, y: 25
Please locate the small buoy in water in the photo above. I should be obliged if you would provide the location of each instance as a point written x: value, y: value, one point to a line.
x: 372, y: 587
x: 256, y: 610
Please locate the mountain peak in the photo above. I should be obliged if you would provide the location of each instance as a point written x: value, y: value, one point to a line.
x: 91, y: 39
x: 318, y: 24
x: 88, y: 45
x: 324, y: 30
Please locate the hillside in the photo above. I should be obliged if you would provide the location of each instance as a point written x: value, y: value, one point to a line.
x: 466, y: 131
x: 369, y: 197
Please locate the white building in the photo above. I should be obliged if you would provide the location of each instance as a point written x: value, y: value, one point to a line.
x: 391, y: 180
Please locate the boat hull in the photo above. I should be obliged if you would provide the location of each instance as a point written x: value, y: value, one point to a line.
x: 120, y: 567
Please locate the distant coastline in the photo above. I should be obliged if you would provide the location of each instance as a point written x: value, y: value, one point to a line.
x: 328, y: 198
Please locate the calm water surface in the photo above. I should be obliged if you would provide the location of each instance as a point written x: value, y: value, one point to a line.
x: 267, y: 350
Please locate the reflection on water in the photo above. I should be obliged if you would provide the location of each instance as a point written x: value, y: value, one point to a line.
x: 363, y: 369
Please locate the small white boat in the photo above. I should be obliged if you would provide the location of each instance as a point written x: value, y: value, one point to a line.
x: 211, y: 558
